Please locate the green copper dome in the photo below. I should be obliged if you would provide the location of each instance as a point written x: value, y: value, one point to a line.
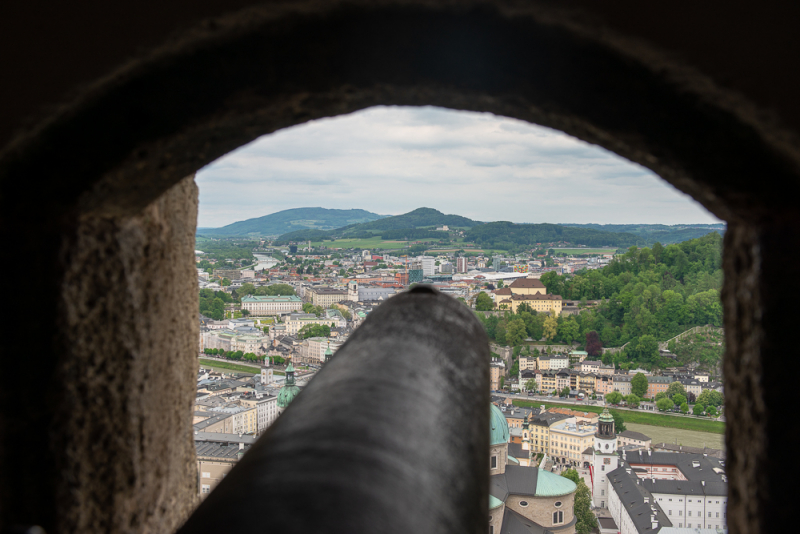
x: 552, y: 485
x: 606, y: 417
x: 289, y: 390
x: 499, y: 431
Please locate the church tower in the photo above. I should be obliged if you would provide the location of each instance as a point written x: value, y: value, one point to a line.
x: 328, y: 353
x: 605, y: 458
x: 352, y: 291
x: 266, y: 372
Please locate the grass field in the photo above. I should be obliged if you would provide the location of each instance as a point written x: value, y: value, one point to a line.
x: 585, y: 250
x: 643, y: 418
x: 689, y: 438
x: 372, y: 242
x: 226, y: 366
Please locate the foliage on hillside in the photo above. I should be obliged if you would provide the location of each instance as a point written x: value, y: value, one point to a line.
x: 227, y: 249
x: 419, y: 218
x: 650, y: 295
x: 661, y: 233
x: 293, y: 219
x: 212, y: 303
x: 510, y: 236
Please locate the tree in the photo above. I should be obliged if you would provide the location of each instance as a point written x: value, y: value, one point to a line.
x: 569, y: 329
x: 711, y: 411
x: 225, y: 282
x: 585, y: 519
x: 699, y: 409
x: 664, y: 404
x: 502, y: 382
x: 550, y: 327
x: 685, y: 407
x: 615, y: 397
x: 530, y: 385
x: 678, y: 399
x: 483, y: 302
x: 499, y: 284
x: 565, y: 391
x: 633, y: 400
x: 676, y: 388
x: 314, y: 330
x: 246, y: 289
x: 245, y: 313
x: 660, y: 395
x: 709, y: 397
x: 619, y: 422
x: 639, y: 385
x: 593, y: 344
x: 572, y: 474
x: 515, y: 332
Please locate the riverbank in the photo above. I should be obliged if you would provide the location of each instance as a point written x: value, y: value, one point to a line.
x: 239, y: 368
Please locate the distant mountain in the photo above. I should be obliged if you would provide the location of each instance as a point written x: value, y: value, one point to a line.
x: 664, y: 234
x: 419, y: 218
x: 397, y: 227
x: 292, y: 220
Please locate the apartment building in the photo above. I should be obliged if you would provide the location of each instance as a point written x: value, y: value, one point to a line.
x: 657, y: 384
x: 590, y: 366
x: 260, y: 306
x: 217, y: 453
x: 324, y: 296
x: 622, y: 383
x: 296, y: 321
x: 569, y: 439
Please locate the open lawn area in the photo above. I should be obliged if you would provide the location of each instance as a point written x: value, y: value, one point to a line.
x: 372, y: 242
x: 688, y: 438
x: 227, y: 366
x: 576, y: 251
x: 642, y: 418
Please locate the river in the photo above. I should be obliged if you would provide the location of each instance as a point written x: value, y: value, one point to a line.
x: 265, y: 261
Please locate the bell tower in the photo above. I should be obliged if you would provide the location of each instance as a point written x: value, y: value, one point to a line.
x: 605, y: 458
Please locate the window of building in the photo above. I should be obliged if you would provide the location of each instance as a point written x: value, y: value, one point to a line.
x: 206, y: 488
x: 206, y: 474
x: 524, y: 504
x: 494, y: 462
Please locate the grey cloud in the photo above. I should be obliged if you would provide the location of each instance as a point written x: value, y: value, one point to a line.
x: 394, y: 159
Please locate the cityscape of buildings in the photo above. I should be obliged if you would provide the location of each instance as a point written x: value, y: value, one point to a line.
x: 636, y: 486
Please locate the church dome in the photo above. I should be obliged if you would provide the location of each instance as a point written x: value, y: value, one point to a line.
x: 552, y: 485
x: 499, y: 426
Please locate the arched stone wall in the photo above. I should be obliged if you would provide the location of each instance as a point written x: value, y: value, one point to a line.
x: 82, y: 189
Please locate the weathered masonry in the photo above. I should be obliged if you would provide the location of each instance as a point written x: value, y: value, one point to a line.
x: 107, y: 111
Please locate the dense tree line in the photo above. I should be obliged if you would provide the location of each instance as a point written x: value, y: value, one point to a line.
x: 413, y: 234
x: 648, y: 295
x: 512, y: 236
x: 212, y: 303
x: 228, y: 249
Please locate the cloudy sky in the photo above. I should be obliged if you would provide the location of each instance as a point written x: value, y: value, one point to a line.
x: 391, y: 160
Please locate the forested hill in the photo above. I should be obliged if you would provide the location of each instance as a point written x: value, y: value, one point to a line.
x: 511, y: 236
x: 292, y: 220
x: 661, y: 233
x: 419, y: 218
x: 407, y: 225
x: 650, y: 295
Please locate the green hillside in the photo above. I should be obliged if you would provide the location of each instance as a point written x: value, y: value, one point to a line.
x: 292, y: 220
x: 419, y: 218
x: 510, y: 236
x: 398, y: 227
x: 662, y: 233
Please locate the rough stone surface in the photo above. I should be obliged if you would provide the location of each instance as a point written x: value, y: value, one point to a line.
x: 129, y: 330
x: 82, y: 203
